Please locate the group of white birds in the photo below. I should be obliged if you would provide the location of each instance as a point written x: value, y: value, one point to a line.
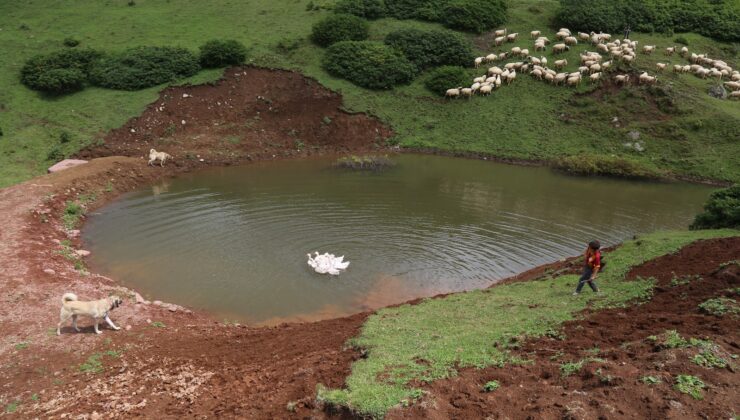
x: 327, y: 263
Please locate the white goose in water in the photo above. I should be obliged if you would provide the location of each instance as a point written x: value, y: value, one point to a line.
x: 327, y: 263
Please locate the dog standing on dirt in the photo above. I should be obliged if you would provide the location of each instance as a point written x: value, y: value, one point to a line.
x: 95, y: 309
x: 158, y: 156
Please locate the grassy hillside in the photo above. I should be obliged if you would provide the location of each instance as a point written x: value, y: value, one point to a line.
x: 528, y: 120
x: 414, y: 344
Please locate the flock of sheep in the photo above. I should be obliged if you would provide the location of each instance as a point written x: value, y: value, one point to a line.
x: 592, y: 63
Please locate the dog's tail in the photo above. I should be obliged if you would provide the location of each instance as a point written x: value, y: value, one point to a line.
x: 68, y: 297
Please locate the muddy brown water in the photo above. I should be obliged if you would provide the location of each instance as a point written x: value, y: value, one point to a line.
x: 233, y: 241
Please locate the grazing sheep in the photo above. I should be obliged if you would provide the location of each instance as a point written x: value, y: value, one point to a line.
x: 583, y: 69
x: 478, y: 61
x: 475, y: 86
x: 544, y: 61
x: 494, y: 71
x: 594, y: 68
x: 486, y: 90
x: 594, y: 77
x: 537, y: 73
x: 573, y: 81
x: 647, y: 79
x: 516, y: 51
x: 480, y: 79
x: 686, y: 69
x: 491, y: 58
x: 499, y: 41
x: 606, y: 65
x: 677, y: 68
x: 549, y: 77
x: 562, y: 35
x: 559, y: 64
x: 670, y: 50
x: 502, y: 56
x: 539, y: 46
x: 511, y: 77
x: 498, y: 81
x: 500, y: 32
x: 735, y: 94
x: 622, y: 79
x: 648, y: 49
x: 534, y: 34
x: 490, y: 80
x: 560, y: 78
x: 602, y: 48
x: 543, y: 39
x: 468, y: 92
x: 453, y: 93
x: 583, y: 36
x: 566, y: 30
x: 660, y: 66
x: 628, y: 59
x: 684, y: 52
x: 733, y: 86
x: 524, y: 53
x: 535, y: 60
x: 735, y: 76
x: 570, y: 40
x: 559, y: 48
x: 512, y: 37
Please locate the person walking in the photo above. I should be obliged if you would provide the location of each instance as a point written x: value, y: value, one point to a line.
x: 627, y: 31
x: 591, y: 268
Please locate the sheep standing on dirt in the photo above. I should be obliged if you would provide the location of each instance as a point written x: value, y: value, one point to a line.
x: 158, y: 156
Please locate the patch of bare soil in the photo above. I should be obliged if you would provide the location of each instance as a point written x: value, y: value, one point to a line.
x: 612, y: 387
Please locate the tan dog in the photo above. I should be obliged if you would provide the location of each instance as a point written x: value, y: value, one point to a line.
x: 95, y: 309
x: 158, y: 156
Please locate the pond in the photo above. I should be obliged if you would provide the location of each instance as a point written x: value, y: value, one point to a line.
x: 233, y: 241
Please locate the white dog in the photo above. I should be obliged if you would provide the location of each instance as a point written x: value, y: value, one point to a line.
x: 155, y: 155
x: 95, y: 309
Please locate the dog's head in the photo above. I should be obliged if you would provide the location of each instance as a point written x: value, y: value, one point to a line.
x: 114, y: 302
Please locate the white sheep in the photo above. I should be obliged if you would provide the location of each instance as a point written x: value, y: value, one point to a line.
x: 467, y: 92
x: 559, y: 48
x: 648, y: 49
x: 733, y: 86
x: 453, y: 93
x: 480, y: 79
x: 622, y: 79
x: 670, y: 50
x: 524, y: 53
x: 534, y: 34
x: 570, y: 40
x: 594, y: 77
x: 684, y: 52
x: 560, y: 78
x: 499, y: 40
x: 735, y: 94
x: 500, y: 32
x: 491, y: 58
x: 583, y: 36
x: 559, y: 64
x: 595, y: 68
x: 494, y: 71
x: 478, y: 61
x: 511, y: 77
x: 516, y: 51
x: 573, y: 81
x: 486, y: 89
x: 539, y: 46
x: 543, y: 39
x: 562, y: 35
x: 475, y: 86
x: 512, y: 37
x: 660, y: 66
x: 537, y: 73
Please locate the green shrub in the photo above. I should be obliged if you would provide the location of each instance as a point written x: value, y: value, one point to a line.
x: 368, y: 9
x: 719, y: 19
x: 339, y: 27
x: 474, y: 15
x: 71, y: 42
x: 691, y: 385
x: 59, y: 72
x: 720, y: 306
x: 56, y: 153
x: 604, y: 165
x: 681, y: 40
x: 431, y: 48
x: 491, y: 386
x: 222, y: 52
x: 369, y: 64
x: 446, y: 77
x: 415, y: 9
x: 721, y: 210
x: 142, y: 67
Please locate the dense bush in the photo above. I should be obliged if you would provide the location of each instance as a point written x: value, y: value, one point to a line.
x: 369, y: 64
x: 416, y: 9
x: 718, y: 19
x: 71, y: 42
x: 59, y: 72
x: 142, y: 67
x: 221, y: 53
x: 368, y: 9
x: 431, y: 48
x: 446, y: 77
x: 474, y: 15
x: 722, y: 210
x: 339, y: 27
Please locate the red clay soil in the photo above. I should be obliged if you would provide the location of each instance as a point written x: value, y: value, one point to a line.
x: 612, y: 388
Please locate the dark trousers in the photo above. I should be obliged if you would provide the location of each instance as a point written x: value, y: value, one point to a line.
x: 586, y: 278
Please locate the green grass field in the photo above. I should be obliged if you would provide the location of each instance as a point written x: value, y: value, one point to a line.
x: 528, y: 120
x: 415, y: 343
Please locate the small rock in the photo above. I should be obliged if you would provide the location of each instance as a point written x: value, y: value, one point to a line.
x: 95, y: 416
x: 718, y: 92
x: 634, y: 135
x: 128, y: 328
x: 183, y: 122
x: 49, y: 271
x: 637, y: 146
x: 185, y: 95
x: 148, y: 321
x: 82, y: 253
x: 56, y: 241
x: 201, y: 160
x: 133, y: 131
x: 157, y: 302
x: 66, y: 164
x: 138, y: 298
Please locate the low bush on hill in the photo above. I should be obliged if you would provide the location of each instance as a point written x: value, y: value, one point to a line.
x: 474, y: 15
x: 222, y: 52
x: 368, y: 9
x: 446, y: 77
x: 431, y: 48
x: 719, y: 19
x: 721, y: 210
x: 369, y: 64
x: 59, y: 72
x: 604, y: 166
x: 143, y: 67
x: 339, y: 27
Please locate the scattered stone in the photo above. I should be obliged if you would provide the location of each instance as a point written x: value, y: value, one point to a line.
x: 66, y: 164
x: 95, y: 416
x: 82, y: 253
x: 201, y: 160
x: 148, y: 321
x: 49, y: 271
x: 183, y: 122
x: 56, y: 241
x: 133, y: 131
x: 138, y: 298
x: 73, y: 233
x: 634, y: 135
x: 718, y: 92
x: 128, y: 328
x: 157, y: 302
x: 185, y: 95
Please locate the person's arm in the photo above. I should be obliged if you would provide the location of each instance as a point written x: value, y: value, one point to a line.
x: 597, y: 266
